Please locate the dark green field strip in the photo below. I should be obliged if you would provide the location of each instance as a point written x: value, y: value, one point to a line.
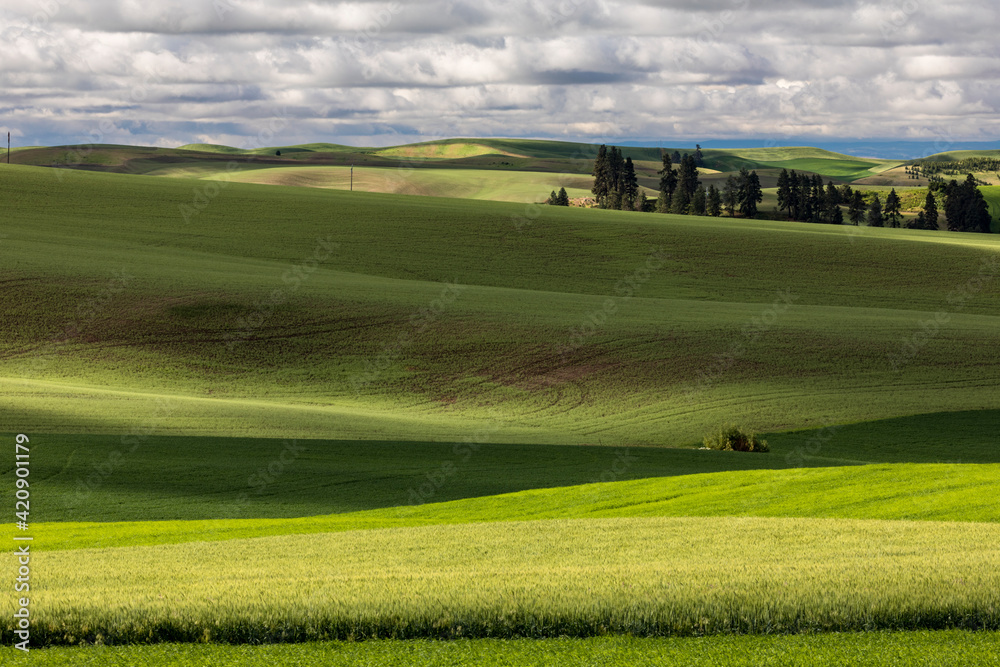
x: 893, y: 492
x: 101, y: 478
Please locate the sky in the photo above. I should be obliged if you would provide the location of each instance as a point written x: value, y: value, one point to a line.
x: 279, y: 72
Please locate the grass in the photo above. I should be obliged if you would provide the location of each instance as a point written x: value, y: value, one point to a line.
x: 648, y: 576
x: 927, y: 492
x: 513, y: 354
x: 875, y: 649
x: 105, y: 478
x: 246, y: 315
x: 513, y: 186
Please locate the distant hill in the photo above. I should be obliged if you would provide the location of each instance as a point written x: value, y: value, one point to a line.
x: 453, y: 167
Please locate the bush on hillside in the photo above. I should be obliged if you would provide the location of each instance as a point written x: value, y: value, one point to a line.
x: 735, y: 439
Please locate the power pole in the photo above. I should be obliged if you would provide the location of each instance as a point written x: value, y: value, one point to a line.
x: 8, y: 148
x: 352, y: 178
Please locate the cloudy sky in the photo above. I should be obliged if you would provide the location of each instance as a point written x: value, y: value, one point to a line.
x: 170, y: 72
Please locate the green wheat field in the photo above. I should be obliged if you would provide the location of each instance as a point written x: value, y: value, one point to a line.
x: 274, y: 421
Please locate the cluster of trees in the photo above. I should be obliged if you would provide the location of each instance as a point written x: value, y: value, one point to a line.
x: 615, y: 183
x: 683, y: 193
x: 560, y: 199
x: 681, y: 190
x: 882, y: 216
x: 968, y: 165
x: 965, y: 208
x: 801, y: 197
x: 679, y: 187
x: 806, y: 199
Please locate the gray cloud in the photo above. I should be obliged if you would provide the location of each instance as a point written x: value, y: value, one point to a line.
x: 179, y: 71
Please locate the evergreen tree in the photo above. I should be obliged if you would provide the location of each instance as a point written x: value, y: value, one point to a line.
x: 553, y: 199
x: 837, y: 217
x: 699, y: 159
x: 676, y: 157
x: 875, y: 218
x: 817, y: 198
x: 699, y: 202
x: 730, y: 195
x: 687, y: 176
x: 856, y: 210
x: 601, y: 172
x: 832, y: 195
x: 953, y: 206
x: 714, y: 204
x: 562, y: 199
x: 892, y: 210
x: 668, y: 183
x: 930, y: 211
x: 796, y: 202
x: 749, y: 193
x: 616, y: 179
x: 975, y: 211
x: 785, y: 192
x: 680, y: 202
x: 630, y: 186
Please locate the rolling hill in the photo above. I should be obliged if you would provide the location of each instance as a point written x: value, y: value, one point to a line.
x: 275, y: 413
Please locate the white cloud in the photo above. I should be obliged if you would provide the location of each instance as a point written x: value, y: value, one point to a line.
x: 591, y: 69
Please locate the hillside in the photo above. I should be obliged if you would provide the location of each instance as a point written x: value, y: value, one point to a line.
x: 317, y: 414
x: 523, y: 159
x: 514, y: 350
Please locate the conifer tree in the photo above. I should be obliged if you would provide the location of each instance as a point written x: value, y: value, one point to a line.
x: 601, y: 185
x: 892, y: 210
x: 785, y: 192
x: 714, y: 207
x: 856, y: 211
x: 699, y: 202
x: 875, y: 218
x: 749, y: 193
x: 687, y: 176
x: 930, y: 211
x: 730, y: 195
x: 629, y: 187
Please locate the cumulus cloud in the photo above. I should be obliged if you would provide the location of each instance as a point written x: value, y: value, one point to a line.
x: 177, y: 71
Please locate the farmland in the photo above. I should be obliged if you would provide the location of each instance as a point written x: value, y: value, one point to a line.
x: 499, y: 406
x: 530, y: 579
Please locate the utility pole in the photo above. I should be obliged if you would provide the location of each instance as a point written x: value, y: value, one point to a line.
x: 8, y: 148
x: 352, y: 178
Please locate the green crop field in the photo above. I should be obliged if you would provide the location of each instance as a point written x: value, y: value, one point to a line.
x: 874, y: 649
x: 529, y: 579
x: 516, y: 186
x: 436, y: 430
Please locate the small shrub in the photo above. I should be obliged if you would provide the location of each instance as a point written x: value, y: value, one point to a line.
x: 735, y: 439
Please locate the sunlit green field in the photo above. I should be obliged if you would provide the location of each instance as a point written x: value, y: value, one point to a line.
x: 640, y: 576
x: 514, y: 186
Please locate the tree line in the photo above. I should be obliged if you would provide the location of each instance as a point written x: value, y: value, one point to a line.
x: 681, y: 191
x: 967, y: 165
x: 801, y: 197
